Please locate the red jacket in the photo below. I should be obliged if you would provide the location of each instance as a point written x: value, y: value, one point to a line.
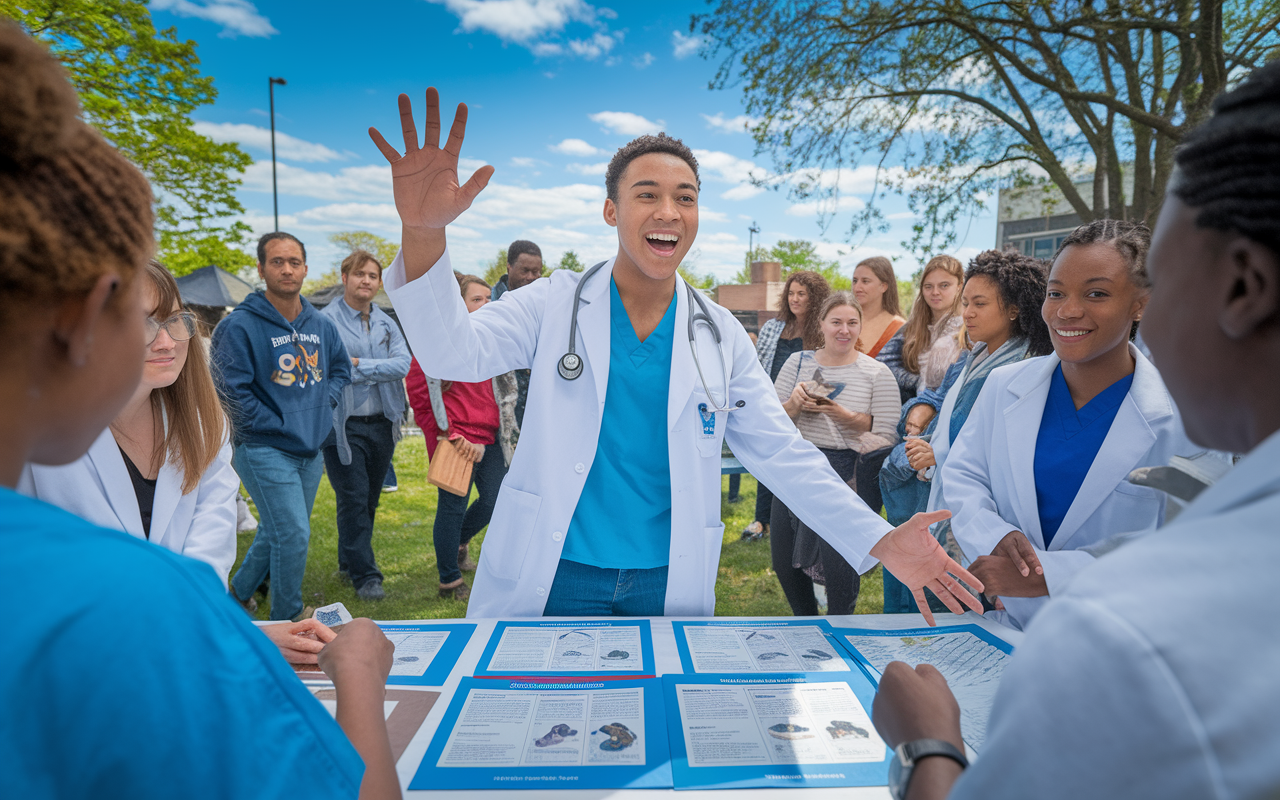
x: 471, y: 408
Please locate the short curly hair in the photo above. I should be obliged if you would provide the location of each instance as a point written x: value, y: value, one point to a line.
x: 1022, y: 282
x: 71, y: 207
x: 643, y: 146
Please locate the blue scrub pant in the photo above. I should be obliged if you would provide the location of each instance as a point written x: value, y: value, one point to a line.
x: 581, y: 590
x: 283, y: 487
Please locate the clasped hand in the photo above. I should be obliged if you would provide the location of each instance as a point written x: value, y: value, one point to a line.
x: 1012, y: 570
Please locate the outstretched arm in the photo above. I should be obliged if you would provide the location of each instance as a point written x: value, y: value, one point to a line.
x: 425, y: 183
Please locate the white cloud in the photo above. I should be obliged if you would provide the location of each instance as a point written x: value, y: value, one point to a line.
x: 547, y: 49
x: 252, y: 136
x: 518, y: 20
x: 812, y: 208
x: 738, y: 124
x: 625, y: 123
x: 683, y: 46
x: 727, y: 167
x: 643, y: 61
x: 575, y: 147
x: 707, y: 215
x: 500, y: 205
x: 522, y: 161
x: 237, y: 17
x: 744, y: 192
x: 597, y: 169
x: 349, y: 183
x: 598, y: 45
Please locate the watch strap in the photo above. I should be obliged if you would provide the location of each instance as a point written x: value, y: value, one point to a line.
x: 923, y: 748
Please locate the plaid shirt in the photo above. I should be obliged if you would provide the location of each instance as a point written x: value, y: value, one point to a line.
x: 767, y: 342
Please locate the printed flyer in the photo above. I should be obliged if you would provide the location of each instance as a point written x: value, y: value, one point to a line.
x: 754, y: 731
x: 425, y: 654
x: 532, y: 734
x: 759, y: 646
x: 569, y: 648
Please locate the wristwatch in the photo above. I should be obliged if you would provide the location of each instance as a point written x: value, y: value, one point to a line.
x: 908, y: 754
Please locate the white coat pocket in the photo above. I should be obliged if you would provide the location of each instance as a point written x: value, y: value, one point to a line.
x: 515, y: 518
x: 708, y: 427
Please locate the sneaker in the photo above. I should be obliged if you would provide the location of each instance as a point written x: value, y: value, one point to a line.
x: 458, y: 590
x: 390, y: 487
x: 464, y: 559
x: 756, y: 531
x: 343, y: 576
x: 371, y: 590
x: 250, y: 606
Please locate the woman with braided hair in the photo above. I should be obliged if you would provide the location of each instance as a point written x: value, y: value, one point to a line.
x: 176, y: 675
x: 1130, y: 684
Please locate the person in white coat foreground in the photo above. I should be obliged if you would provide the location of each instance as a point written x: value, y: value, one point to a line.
x: 612, y: 502
x: 1040, y: 467
x: 162, y: 470
x: 1130, y: 684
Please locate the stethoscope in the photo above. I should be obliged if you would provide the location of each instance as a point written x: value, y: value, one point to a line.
x: 570, y: 365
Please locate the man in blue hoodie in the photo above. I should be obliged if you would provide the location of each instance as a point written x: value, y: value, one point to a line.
x: 282, y: 367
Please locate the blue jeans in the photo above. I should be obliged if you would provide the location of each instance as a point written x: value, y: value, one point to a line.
x: 899, y: 600
x: 283, y: 487
x: 457, y: 524
x: 581, y: 590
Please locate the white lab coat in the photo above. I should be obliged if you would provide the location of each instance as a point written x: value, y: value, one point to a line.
x: 1153, y: 674
x: 200, y: 524
x: 988, y: 480
x: 529, y: 328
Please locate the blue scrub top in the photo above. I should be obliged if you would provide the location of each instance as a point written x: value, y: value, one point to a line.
x: 1068, y: 442
x: 133, y: 674
x: 623, y: 518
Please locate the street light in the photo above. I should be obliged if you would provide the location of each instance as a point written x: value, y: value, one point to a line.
x: 751, y: 238
x: 275, y: 197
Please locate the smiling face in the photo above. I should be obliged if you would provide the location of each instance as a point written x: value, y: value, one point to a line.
x: 164, y: 358
x: 284, y: 269
x: 868, y: 289
x: 476, y: 295
x: 939, y: 289
x: 656, y: 214
x: 840, y: 329
x: 986, y: 318
x: 1092, y: 302
x: 798, y: 299
x: 361, y: 284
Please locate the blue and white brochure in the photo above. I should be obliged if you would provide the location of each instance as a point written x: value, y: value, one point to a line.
x: 760, y: 646
x: 425, y: 654
x: 756, y: 731
x: 600, y: 648
x: 544, y: 734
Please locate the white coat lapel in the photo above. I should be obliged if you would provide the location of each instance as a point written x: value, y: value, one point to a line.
x: 168, y: 493
x: 683, y: 371
x: 1022, y: 424
x: 1125, y: 445
x: 594, y: 329
x: 108, y: 462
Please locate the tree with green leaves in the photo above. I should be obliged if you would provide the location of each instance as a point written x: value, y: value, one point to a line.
x: 796, y: 255
x: 139, y: 86
x: 570, y: 261
x: 350, y: 241
x: 945, y: 102
x: 494, y: 272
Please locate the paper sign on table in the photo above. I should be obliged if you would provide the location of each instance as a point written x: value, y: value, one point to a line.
x: 569, y: 648
x: 538, y: 735
x: 759, y: 646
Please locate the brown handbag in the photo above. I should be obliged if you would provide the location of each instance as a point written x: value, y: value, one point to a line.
x: 450, y: 469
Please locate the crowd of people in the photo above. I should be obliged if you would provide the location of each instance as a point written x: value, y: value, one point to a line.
x: 997, y: 425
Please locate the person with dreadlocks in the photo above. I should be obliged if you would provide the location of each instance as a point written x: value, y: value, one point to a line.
x: 1131, y: 684
x: 1039, y: 471
x: 127, y: 671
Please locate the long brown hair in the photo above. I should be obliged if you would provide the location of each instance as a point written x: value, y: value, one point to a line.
x: 196, y: 421
x: 818, y: 291
x: 883, y: 269
x: 916, y: 335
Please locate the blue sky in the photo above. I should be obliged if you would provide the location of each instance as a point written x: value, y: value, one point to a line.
x: 554, y: 88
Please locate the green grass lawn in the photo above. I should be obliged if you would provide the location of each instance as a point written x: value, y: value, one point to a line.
x: 402, y: 543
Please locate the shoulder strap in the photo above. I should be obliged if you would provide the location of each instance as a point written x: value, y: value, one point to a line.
x: 435, y: 392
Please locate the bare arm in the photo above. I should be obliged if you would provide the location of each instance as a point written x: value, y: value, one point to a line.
x: 358, y: 661
x: 425, y: 183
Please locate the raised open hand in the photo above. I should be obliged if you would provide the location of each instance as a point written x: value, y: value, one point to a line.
x: 425, y: 179
x: 914, y: 557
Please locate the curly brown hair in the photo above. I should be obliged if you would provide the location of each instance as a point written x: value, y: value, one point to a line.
x: 71, y: 207
x: 643, y: 146
x: 811, y: 327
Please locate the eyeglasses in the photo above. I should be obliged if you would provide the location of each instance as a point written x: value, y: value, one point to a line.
x: 180, y: 327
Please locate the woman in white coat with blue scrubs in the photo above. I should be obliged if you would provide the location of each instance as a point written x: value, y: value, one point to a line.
x: 612, y: 501
x: 162, y: 470
x: 1038, y: 475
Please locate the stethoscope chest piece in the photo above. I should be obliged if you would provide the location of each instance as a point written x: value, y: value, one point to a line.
x: 569, y: 366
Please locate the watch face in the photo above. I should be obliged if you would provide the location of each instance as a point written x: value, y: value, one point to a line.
x: 898, y: 776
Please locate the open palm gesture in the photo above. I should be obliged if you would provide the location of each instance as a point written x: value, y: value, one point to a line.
x: 914, y: 557
x: 425, y: 179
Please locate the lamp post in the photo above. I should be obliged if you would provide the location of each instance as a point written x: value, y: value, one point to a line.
x: 751, y: 238
x: 275, y: 197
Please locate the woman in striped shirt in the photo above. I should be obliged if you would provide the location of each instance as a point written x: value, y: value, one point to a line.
x: 846, y: 403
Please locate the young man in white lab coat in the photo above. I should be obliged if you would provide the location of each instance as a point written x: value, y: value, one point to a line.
x: 612, y: 503
x: 1132, y: 683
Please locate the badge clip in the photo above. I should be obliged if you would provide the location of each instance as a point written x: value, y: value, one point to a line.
x: 708, y: 420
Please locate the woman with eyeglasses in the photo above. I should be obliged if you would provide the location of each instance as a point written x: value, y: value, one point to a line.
x: 162, y: 470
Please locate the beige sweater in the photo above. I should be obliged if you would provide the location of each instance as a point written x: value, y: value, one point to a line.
x: 869, y: 388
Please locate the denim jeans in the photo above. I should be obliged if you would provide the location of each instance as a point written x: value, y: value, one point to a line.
x: 283, y: 487
x: 357, y: 487
x: 581, y: 590
x: 899, y: 600
x: 456, y: 524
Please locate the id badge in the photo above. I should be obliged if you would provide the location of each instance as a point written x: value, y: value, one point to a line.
x: 708, y: 418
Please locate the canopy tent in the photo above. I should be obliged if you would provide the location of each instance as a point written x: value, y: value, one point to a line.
x: 213, y: 286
